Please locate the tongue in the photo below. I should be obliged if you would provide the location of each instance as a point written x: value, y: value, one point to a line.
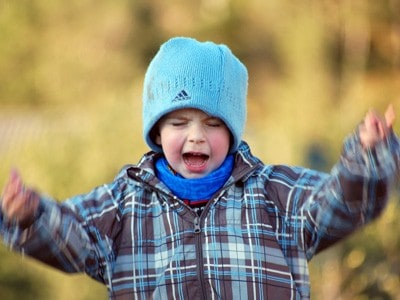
x: 195, y: 160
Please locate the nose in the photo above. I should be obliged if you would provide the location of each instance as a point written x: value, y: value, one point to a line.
x: 196, y: 134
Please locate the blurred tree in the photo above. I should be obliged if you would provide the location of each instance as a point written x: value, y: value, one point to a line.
x: 315, y: 67
x: 20, y: 31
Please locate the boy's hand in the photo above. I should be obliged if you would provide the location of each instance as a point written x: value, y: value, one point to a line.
x: 376, y: 128
x: 19, y: 202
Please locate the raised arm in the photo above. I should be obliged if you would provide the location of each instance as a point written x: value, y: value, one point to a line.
x: 359, y: 185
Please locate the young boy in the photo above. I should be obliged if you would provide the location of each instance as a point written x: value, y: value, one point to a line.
x: 200, y: 217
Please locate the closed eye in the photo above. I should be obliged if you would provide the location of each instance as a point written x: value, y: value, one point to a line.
x: 212, y: 122
x: 177, y: 124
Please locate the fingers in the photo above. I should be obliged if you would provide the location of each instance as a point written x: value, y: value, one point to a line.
x: 376, y: 128
x: 15, y: 207
x: 13, y: 187
x: 23, y: 208
x: 369, y: 130
x: 390, y: 116
x: 18, y: 202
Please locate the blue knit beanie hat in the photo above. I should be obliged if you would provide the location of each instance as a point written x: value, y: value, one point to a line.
x: 186, y: 73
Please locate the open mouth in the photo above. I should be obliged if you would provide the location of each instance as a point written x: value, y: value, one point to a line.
x: 195, y: 159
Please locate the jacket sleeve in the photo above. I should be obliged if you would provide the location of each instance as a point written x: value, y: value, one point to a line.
x: 55, y: 238
x: 354, y: 194
x: 64, y: 235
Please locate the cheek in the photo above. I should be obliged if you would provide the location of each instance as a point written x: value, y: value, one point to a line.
x: 170, y: 141
x: 172, y: 138
x: 165, y: 136
x: 221, y: 142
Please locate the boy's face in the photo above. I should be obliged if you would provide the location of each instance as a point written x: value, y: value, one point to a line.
x: 193, y: 142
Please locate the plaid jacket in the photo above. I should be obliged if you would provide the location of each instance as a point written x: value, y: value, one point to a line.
x: 252, y: 241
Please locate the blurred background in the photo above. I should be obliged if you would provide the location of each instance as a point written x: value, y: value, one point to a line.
x: 71, y: 76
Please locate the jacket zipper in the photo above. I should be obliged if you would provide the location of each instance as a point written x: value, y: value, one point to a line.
x: 197, y: 228
x: 199, y: 252
x: 198, y: 245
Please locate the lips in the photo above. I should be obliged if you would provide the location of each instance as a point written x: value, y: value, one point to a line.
x: 195, y: 160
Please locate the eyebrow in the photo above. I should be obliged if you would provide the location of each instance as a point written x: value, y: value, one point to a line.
x: 176, y: 117
x: 184, y: 117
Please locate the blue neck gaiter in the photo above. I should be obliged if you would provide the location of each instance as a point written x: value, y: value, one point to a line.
x: 194, y: 188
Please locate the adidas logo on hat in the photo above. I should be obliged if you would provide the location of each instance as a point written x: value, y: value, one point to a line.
x: 183, y: 95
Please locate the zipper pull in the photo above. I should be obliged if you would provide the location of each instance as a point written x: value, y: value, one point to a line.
x: 197, y: 228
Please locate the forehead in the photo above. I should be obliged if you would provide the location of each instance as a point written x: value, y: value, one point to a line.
x: 188, y: 112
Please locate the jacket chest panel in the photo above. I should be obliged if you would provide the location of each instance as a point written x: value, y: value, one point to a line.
x: 237, y: 242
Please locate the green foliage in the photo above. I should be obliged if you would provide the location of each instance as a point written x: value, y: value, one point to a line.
x: 14, y: 284
x: 70, y: 106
